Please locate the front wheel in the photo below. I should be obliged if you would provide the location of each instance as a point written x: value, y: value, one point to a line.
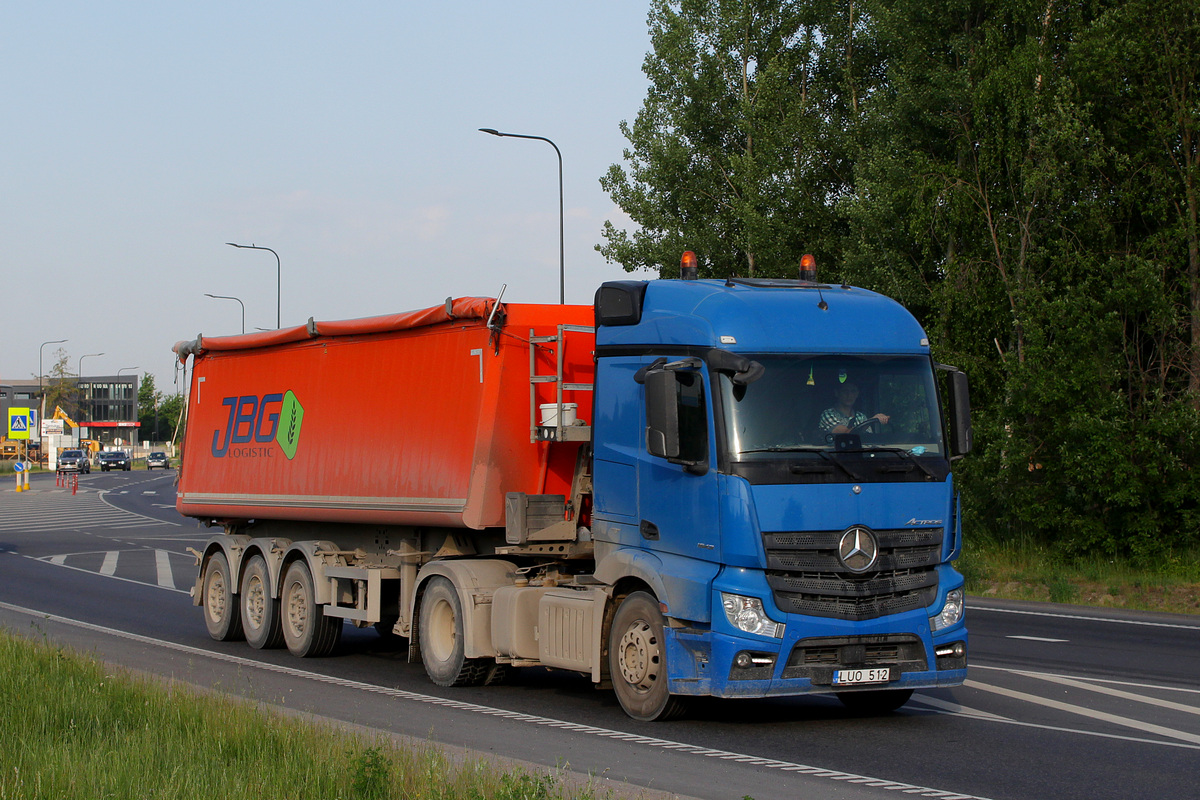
x: 881, y: 701
x: 307, y: 632
x: 220, y: 605
x: 441, y: 635
x: 637, y: 660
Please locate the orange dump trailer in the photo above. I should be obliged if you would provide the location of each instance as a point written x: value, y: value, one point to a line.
x: 423, y: 418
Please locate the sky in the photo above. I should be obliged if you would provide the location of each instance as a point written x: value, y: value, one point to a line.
x: 139, y: 137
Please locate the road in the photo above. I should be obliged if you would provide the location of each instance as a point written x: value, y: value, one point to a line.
x: 1061, y: 702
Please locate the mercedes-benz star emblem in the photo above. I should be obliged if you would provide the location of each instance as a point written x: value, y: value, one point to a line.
x: 858, y: 550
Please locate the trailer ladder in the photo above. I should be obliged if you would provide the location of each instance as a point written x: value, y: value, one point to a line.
x: 557, y: 432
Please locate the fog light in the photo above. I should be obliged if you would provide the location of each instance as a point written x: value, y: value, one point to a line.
x: 747, y: 614
x: 952, y: 611
x: 743, y: 660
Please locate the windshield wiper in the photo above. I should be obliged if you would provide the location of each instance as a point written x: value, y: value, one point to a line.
x: 904, y: 454
x: 785, y: 448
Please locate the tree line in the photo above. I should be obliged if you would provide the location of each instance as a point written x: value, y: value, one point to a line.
x: 1023, y: 176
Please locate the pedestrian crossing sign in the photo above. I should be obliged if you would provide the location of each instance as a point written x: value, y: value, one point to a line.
x: 18, y: 423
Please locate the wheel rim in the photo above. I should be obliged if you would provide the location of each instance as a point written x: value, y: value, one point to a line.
x: 442, y: 631
x: 638, y: 656
x: 297, y: 610
x: 256, y: 603
x: 217, y: 596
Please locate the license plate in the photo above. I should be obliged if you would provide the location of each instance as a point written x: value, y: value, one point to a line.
x: 848, y: 677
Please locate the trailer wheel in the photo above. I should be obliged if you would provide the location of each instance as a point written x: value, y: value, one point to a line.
x: 442, y: 637
x: 307, y: 632
x: 637, y: 660
x: 880, y: 701
x: 260, y: 611
x: 219, y: 602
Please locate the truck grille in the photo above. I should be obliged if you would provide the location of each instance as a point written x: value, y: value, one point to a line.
x: 807, y: 577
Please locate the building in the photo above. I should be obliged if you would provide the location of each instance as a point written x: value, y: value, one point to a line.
x: 105, y: 406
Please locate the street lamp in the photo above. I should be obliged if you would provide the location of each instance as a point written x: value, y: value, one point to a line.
x: 41, y: 391
x: 562, y: 292
x: 122, y: 369
x: 228, y: 297
x: 41, y: 386
x: 79, y: 381
x: 278, y: 278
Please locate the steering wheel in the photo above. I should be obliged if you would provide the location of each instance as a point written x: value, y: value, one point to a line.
x: 862, y: 426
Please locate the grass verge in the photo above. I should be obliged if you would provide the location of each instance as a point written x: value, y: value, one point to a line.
x: 1027, y: 570
x: 73, y: 727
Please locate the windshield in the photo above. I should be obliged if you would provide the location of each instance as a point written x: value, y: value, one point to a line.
x: 829, y: 404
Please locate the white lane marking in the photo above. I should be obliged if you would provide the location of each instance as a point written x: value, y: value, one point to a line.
x: 1126, y: 722
x: 162, y: 562
x: 109, y: 567
x: 1110, y: 681
x: 516, y: 716
x: 976, y: 609
x: 150, y: 492
x: 955, y: 708
x: 1038, y: 639
x: 1139, y: 698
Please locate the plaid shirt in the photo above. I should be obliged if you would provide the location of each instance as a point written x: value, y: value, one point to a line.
x: 831, y: 418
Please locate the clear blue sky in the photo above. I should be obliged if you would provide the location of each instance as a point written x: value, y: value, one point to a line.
x: 139, y: 137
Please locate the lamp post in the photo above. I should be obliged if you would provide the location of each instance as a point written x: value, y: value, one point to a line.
x: 562, y: 292
x: 228, y: 297
x: 41, y: 387
x: 122, y: 369
x: 79, y: 384
x: 278, y: 278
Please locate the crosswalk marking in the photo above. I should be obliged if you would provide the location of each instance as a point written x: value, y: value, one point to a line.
x: 58, y: 510
x: 129, y: 562
x: 162, y: 563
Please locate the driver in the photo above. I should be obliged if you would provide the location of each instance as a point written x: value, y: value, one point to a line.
x: 842, y: 417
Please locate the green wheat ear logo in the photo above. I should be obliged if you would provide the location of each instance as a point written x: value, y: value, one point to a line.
x: 290, y: 419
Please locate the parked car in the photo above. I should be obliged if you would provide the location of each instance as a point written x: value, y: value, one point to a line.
x: 114, y: 459
x: 74, y: 461
x: 158, y: 460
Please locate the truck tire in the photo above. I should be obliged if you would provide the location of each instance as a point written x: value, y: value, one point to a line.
x: 637, y: 661
x: 441, y: 638
x: 220, y: 604
x: 880, y: 701
x: 260, y: 611
x: 307, y: 632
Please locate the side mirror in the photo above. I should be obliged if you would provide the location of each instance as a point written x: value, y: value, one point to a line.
x: 662, y: 414
x: 960, y: 399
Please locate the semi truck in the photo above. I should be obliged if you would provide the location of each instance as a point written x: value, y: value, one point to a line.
x: 665, y: 491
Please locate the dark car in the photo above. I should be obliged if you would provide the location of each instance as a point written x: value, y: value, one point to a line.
x: 74, y: 461
x: 158, y: 460
x: 114, y: 459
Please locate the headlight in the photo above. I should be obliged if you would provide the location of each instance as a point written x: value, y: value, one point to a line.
x: 747, y: 614
x: 952, y: 611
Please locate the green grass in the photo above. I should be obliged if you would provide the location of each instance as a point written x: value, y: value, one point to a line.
x: 73, y: 727
x: 1027, y: 570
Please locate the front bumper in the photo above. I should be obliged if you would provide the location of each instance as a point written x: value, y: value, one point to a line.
x: 705, y: 661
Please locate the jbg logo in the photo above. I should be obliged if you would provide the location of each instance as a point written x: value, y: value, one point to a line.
x: 260, y: 420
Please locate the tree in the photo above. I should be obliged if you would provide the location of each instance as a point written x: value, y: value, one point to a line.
x: 1024, y: 177
x: 732, y: 155
x: 62, y: 391
x: 158, y: 413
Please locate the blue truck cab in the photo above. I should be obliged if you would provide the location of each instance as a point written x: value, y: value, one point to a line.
x: 772, y: 466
